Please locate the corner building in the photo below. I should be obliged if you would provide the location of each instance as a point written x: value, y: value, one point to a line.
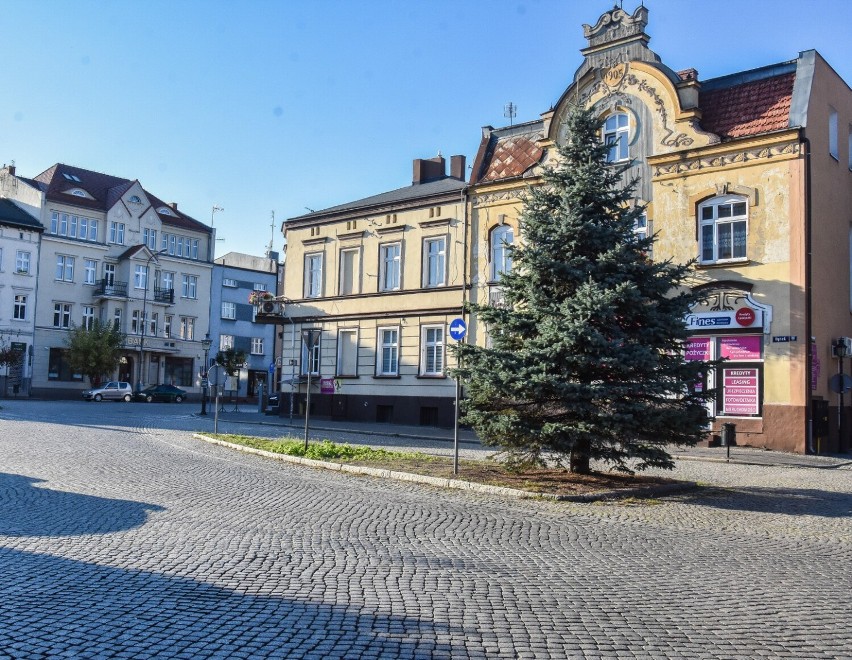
x: 750, y: 175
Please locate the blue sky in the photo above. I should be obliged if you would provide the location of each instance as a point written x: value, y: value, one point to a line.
x: 281, y: 106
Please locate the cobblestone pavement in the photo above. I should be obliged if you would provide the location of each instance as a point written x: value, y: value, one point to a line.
x: 122, y: 536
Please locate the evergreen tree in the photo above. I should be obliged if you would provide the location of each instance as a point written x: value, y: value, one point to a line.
x: 585, y: 360
x: 94, y: 352
x: 231, y: 360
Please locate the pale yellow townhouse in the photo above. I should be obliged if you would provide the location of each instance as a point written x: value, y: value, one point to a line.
x: 377, y: 281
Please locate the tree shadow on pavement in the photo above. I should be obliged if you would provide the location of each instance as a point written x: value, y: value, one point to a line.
x: 28, y: 510
x: 57, y: 606
x: 789, y: 501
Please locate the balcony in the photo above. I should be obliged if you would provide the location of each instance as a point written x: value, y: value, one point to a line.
x: 111, y: 289
x: 495, y: 297
x: 166, y: 296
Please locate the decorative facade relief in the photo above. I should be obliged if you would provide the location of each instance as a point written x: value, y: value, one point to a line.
x: 723, y: 160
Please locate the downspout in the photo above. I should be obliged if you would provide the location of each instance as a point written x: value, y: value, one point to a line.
x: 809, y: 448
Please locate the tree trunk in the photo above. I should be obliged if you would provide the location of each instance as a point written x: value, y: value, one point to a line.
x: 578, y: 462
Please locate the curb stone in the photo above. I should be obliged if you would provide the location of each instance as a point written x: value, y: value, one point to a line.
x: 459, y: 484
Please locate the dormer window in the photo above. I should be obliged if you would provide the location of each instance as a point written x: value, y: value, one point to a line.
x: 71, y: 177
x: 134, y: 199
x: 165, y: 210
x: 78, y: 193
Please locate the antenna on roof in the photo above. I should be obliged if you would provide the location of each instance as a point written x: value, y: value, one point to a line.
x: 510, y: 110
x: 271, y: 232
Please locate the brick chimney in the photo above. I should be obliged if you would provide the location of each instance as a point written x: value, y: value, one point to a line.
x: 457, y: 167
x: 426, y: 170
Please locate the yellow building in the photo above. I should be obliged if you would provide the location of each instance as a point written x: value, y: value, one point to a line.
x: 381, y: 278
x: 749, y: 176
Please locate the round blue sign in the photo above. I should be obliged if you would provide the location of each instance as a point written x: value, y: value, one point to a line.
x: 458, y: 329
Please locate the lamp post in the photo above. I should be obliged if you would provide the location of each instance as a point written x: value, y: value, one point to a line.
x: 205, y: 344
x: 144, y: 320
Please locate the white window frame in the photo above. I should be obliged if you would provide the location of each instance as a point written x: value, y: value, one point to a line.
x: 116, y: 232
x: 229, y: 310
x: 136, y: 322
x: 435, y: 261
x: 88, y: 316
x: 64, y: 268
x: 229, y: 282
x: 62, y: 315
x: 433, y: 346
x: 90, y: 271
x: 226, y: 342
x: 187, y: 327
x: 390, y: 266
x: 167, y: 325
x: 501, y: 260
x: 117, y: 319
x: 19, y: 310
x: 22, y: 261
x: 140, y: 277
x: 259, y: 286
x: 340, y: 344
x: 615, y: 133
x: 313, y: 275
x: 391, y: 344
x: 355, y: 283
x: 709, y: 228
x: 315, y: 358
x: 257, y: 345
x: 189, y: 286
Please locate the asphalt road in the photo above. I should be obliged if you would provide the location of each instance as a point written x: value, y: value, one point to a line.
x: 122, y: 536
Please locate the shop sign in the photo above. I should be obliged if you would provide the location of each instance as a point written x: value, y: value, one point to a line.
x: 697, y: 348
x: 740, y: 347
x: 744, y: 317
x: 741, y: 391
x: 327, y: 385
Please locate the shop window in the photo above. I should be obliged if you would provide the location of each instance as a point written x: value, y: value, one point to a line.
x: 58, y: 367
x: 739, y: 379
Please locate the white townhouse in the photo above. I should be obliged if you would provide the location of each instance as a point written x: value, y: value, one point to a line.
x: 19, y: 245
x: 113, y: 251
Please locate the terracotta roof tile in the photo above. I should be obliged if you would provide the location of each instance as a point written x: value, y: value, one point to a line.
x: 750, y: 108
x: 510, y: 156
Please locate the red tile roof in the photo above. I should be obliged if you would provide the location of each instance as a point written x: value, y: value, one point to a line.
x: 750, y: 108
x: 511, y: 156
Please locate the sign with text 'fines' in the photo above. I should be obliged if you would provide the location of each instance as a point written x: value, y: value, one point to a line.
x: 740, y: 391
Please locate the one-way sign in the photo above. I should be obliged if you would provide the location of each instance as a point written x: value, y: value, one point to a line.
x: 458, y: 329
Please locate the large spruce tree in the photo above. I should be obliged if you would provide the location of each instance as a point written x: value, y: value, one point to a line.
x: 585, y: 358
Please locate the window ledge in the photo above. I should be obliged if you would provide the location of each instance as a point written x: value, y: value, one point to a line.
x: 388, y: 377
x: 343, y: 377
x: 432, y: 376
x: 725, y: 264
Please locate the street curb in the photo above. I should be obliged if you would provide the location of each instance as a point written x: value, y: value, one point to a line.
x: 458, y: 484
x: 385, y: 434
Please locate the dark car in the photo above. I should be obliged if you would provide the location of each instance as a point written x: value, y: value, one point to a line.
x: 161, y: 393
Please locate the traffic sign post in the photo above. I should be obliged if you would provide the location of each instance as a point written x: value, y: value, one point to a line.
x: 458, y: 330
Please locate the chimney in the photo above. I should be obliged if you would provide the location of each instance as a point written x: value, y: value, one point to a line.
x: 173, y: 205
x: 426, y: 170
x: 457, y: 167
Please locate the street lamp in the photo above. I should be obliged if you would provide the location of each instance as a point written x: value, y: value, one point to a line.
x: 144, y: 320
x: 205, y: 344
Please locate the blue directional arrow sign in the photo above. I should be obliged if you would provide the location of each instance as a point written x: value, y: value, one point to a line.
x: 458, y: 329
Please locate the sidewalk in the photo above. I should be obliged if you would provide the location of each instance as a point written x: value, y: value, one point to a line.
x: 740, y: 455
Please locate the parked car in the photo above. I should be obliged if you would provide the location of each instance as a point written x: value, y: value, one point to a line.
x: 161, y: 393
x: 114, y: 390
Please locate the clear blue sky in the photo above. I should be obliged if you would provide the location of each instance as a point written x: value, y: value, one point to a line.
x: 260, y: 106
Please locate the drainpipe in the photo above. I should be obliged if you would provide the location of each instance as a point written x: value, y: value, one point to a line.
x: 809, y: 412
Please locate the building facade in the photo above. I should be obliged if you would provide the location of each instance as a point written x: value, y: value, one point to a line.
x: 19, y: 249
x: 749, y: 176
x: 112, y: 251
x: 377, y: 281
x: 238, y: 280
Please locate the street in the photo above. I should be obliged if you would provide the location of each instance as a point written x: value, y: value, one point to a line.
x: 121, y: 535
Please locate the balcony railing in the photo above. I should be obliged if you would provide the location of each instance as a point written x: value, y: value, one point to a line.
x: 495, y: 297
x: 164, y: 295
x: 111, y: 288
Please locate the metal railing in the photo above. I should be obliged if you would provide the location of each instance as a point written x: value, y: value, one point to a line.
x: 111, y: 288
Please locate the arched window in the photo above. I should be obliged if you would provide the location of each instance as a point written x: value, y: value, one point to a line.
x: 616, y: 136
x: 501, y: 260
x: 723, y: 229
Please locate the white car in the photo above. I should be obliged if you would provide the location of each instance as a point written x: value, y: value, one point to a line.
x: 114, y: 390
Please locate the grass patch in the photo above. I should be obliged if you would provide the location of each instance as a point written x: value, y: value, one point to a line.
x: 488, y: 472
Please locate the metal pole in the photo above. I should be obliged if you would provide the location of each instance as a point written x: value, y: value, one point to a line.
x: 142, y: 336
x: 456, y: 430
x: 216, y: 412
x: 308, y: 401
x: 205, y: 382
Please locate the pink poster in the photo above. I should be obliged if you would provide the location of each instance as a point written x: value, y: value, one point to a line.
x: 697, y: 348
x: 740, y: 391
x: 741, y: 347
